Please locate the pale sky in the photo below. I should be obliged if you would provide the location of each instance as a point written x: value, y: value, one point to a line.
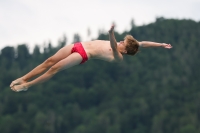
x: 40, y: 21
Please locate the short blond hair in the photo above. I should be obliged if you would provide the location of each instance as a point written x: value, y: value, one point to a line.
x: 133, y: 45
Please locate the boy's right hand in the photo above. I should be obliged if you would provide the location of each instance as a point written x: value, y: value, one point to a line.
x: 111, y: 29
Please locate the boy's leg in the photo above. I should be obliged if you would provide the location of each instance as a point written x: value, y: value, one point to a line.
x: 61, y: 54
x: 70, y: 61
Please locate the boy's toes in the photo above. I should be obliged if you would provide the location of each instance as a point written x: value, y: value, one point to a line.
x: 13, y: 83
x: 17, y: 82
x: 18, y: 88
x: 13, y: 88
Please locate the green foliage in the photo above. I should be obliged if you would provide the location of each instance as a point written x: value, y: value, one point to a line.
x: 155, y: 91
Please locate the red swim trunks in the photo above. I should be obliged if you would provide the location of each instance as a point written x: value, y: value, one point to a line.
x: 79, y: 49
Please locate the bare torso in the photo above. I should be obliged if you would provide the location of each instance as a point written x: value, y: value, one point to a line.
x: 99, y: 49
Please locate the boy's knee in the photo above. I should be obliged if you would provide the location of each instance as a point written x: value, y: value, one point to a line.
x: 54, y: 69
x: 50, y: 61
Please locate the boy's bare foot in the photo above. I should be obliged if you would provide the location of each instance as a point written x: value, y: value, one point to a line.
x: 22, y: 87
x: 17, y: 82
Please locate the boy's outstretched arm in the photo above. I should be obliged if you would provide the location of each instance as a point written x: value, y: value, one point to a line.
x: 113, y: 43
x: 154, y: 44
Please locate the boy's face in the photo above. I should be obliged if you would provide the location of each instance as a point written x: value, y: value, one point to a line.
x: 122, y: 46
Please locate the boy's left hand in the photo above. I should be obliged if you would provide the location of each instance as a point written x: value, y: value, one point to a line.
x: 166, y: 45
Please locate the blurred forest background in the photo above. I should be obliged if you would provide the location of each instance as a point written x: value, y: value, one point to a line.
x: 155, y: 91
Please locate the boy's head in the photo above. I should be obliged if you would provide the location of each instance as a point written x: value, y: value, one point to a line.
x: 132, y: 45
